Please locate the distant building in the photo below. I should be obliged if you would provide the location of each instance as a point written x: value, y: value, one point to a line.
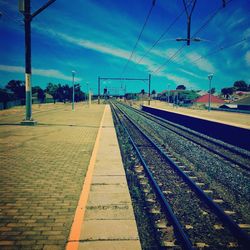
x: 205, y: 99
x: 229, y: 106
x: 243, y: 104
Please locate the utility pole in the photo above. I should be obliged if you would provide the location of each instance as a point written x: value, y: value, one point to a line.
x: 149, y: 85
x: 209, y: 96
x: 98, y: 89
x: 24, y: 8
x: 189, y: 15
x: 168, y: 93
x: 73, y: 90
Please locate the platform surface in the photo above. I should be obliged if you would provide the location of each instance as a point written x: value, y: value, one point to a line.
x: 42, y: 170
x: 108, y: 221
x: 230, y: 118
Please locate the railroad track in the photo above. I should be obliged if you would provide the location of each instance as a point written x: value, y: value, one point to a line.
x: 230, y: 153
x: 197, y: 219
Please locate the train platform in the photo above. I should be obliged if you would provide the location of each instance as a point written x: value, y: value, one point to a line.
x: 43, y: 169
x: 229, y: 118
x: 105, y: 217
x: 213, y: 124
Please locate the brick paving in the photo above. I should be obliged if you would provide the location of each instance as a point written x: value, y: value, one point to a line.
x: 42, y: 170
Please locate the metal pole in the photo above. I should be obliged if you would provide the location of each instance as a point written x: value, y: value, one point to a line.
x: 188, y: 30
x: 149, y: 85
x: 73, y: 93
x: 28, y: 88
x: 168, y: 93
x: 90, y: 97
x: 99, y: 90
x: 209, y: 97
x: 27, y: 30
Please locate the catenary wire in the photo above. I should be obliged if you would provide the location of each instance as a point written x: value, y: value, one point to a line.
x: 139, y: 37
x: 162, y: 35
x: 216, y: 50
x: 198, y: 31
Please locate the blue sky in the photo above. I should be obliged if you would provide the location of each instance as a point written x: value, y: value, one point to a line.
x: 95, y: 38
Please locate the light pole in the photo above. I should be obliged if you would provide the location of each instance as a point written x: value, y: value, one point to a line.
x: 87, y: 90
x: 73, y: 92
x: 149, y: 86
x: 209, y: 96
x: 168, y: 93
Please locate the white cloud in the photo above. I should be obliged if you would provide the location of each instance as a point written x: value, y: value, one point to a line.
x: 165, y: 53
x: 247, y: 57
x: 203, y: 64
x: 15, y: 69
x: 50, y: 73
x: 150, y: 65
x: 191, y: 74
x: 102, y: 48
x: 246, y: 33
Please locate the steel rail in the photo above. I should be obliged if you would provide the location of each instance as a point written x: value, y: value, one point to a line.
x: 181, y: 235
x: 155, y: 118
x: 238, y: 233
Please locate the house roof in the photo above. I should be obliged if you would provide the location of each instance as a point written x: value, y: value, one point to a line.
x: 205, y: 98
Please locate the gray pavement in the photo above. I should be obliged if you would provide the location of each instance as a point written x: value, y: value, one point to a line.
x: 42, y: 171
x: 109, y: 221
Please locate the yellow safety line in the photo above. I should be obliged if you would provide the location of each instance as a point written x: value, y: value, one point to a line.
x: 73, y: 241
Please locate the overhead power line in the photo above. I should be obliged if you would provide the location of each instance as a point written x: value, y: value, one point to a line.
x: 189, y: 16
x: 139, y: 37
x: 218, y: 49
x: 169, y: 59
x: 198, y: 31
x: 163, y: 34
x: 4, y: 13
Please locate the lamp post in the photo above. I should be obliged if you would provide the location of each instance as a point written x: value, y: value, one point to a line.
x: 87, y: 83
x: 209, y: 96
x: 73, y: 92
x: 168, y: 93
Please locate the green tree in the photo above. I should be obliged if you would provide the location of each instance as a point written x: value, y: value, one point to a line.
x: 130, y: 96
x: 41, y: 95
x: 187, y: 96
x: 67, y: 93
x: 212, y: 91
x: 180, y: 87
x: 79, y: 95
x: 17, y: 87
x: 60, y: 93
x: 227, y: 92
x: 5, y: 97
x: 241, y: 85
x: 52, y: 90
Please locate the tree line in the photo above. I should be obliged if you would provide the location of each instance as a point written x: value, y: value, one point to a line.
x: 15, y: 90
x: 237, y: 86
